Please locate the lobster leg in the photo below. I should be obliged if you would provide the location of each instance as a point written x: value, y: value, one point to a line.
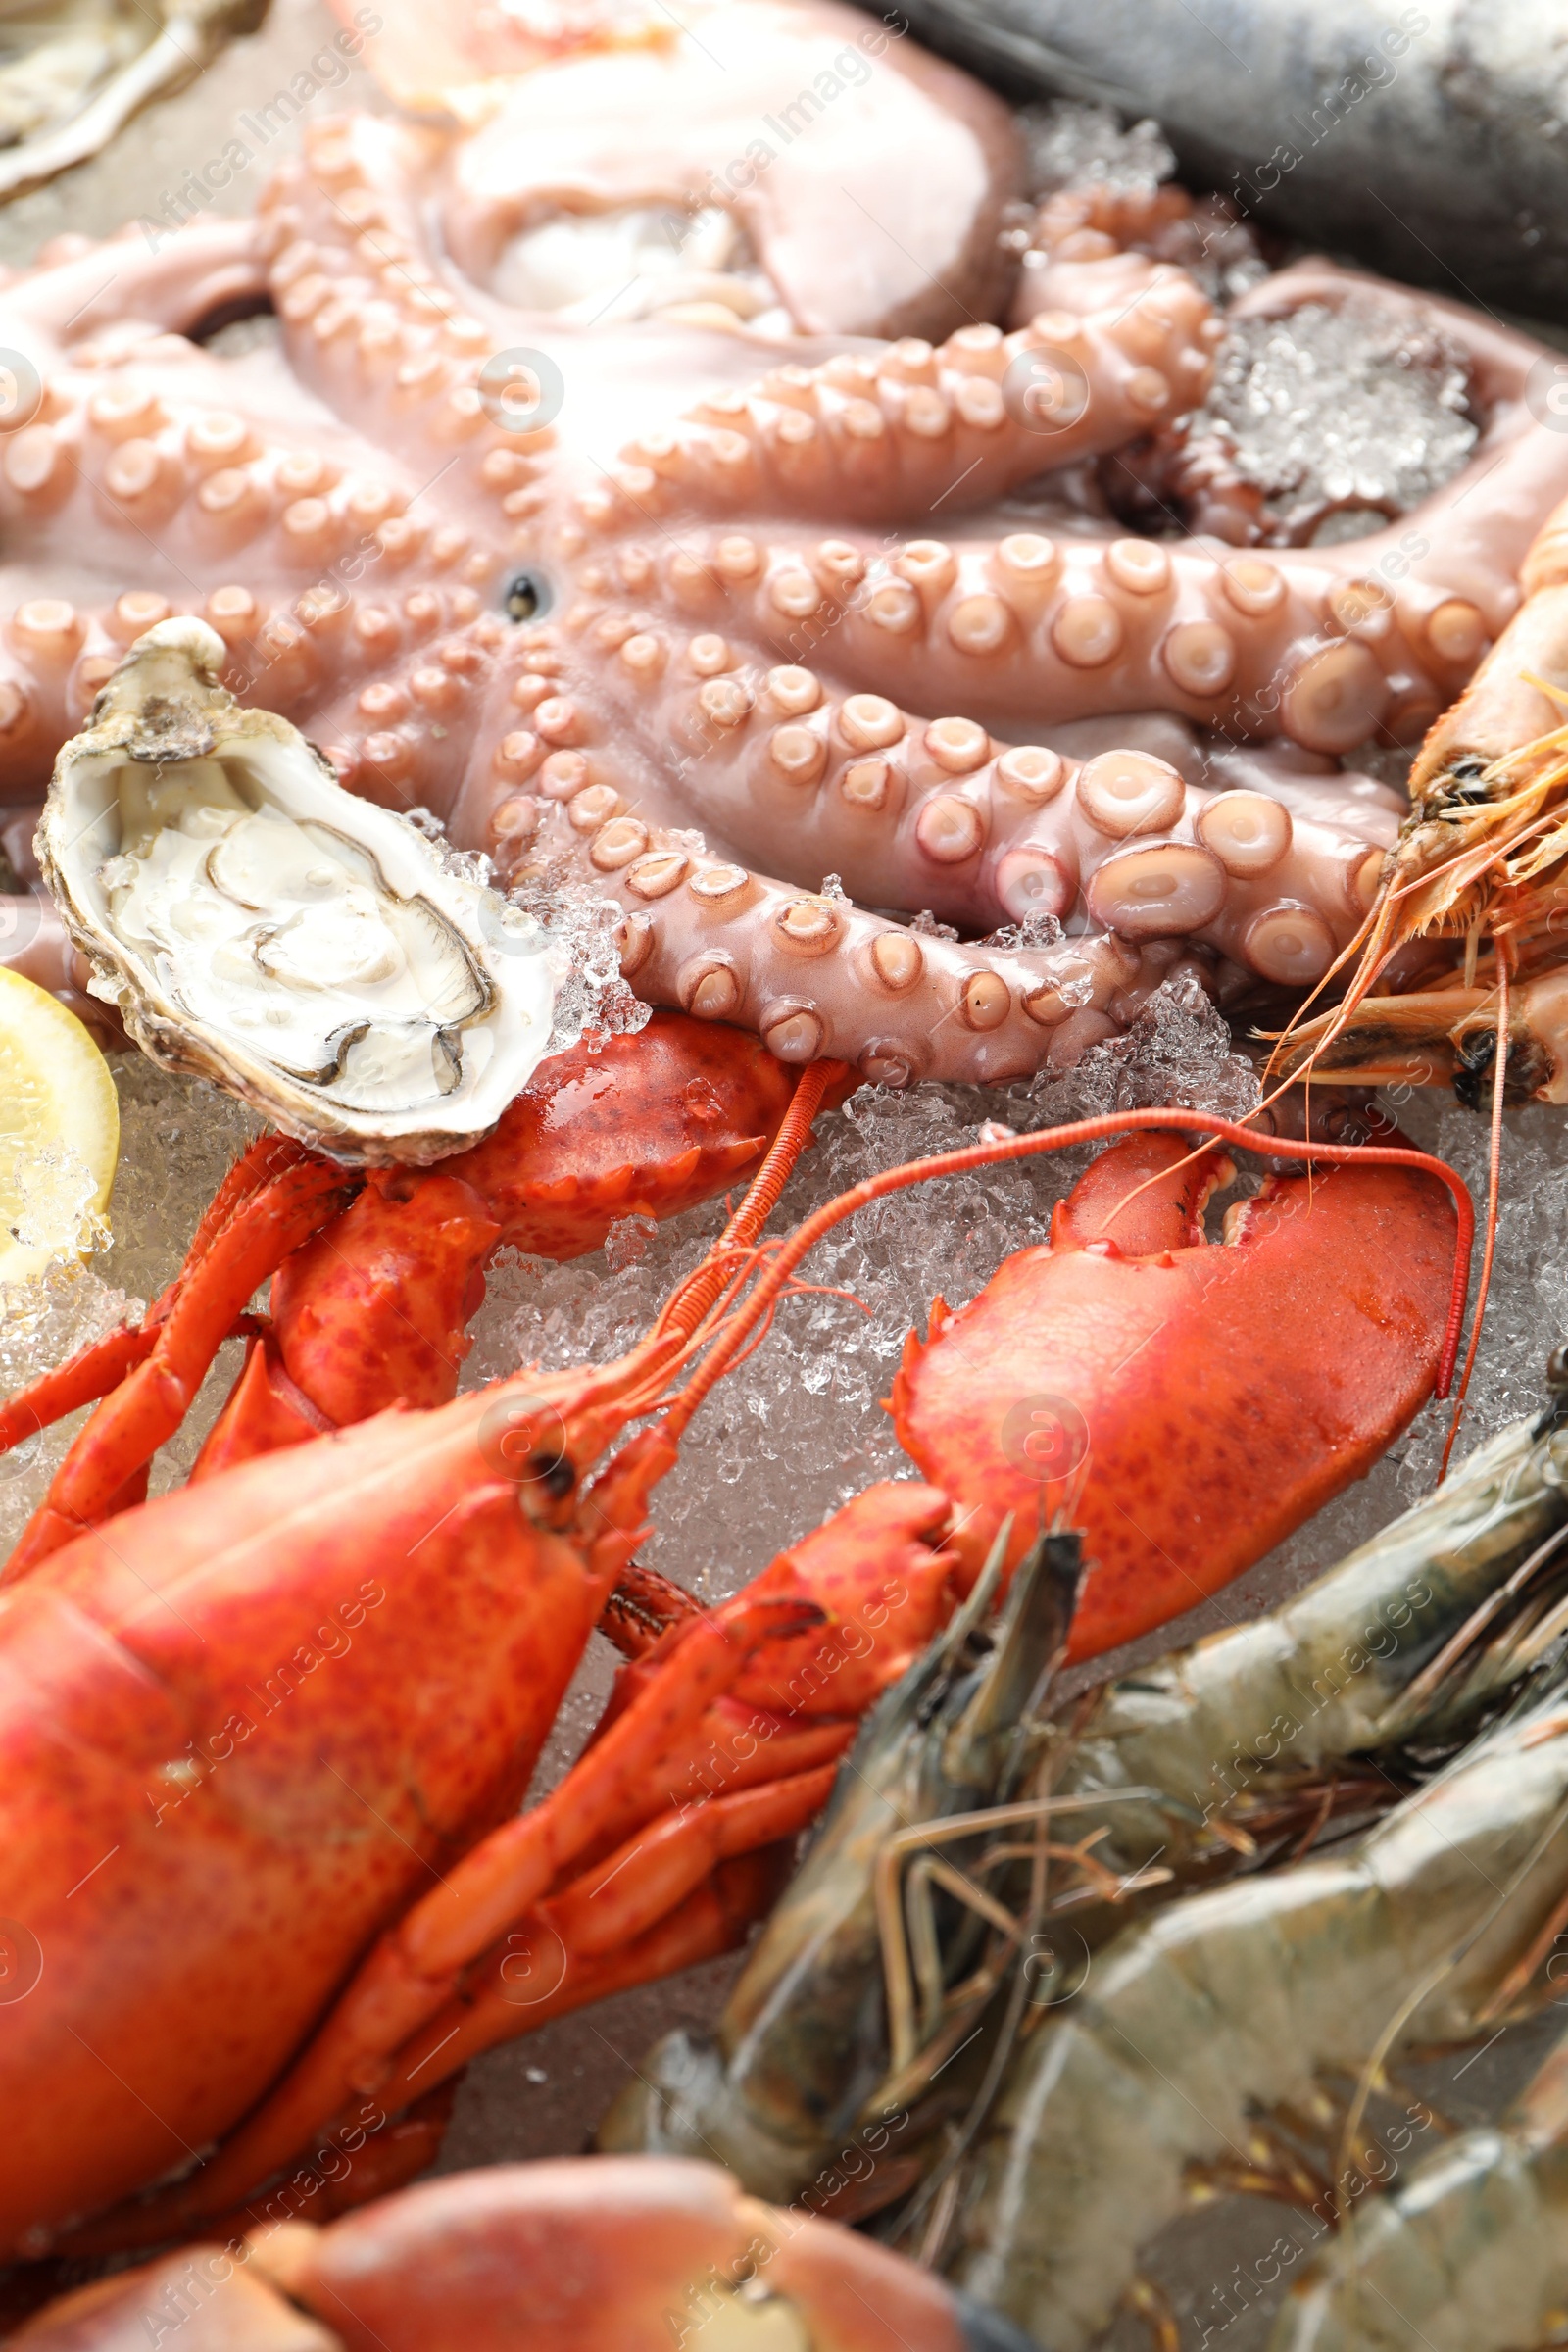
x: 126, y: 1432
x: 714, y: 1917
x: 373, y: 1311
x: 653, y: 1871
x: 80, y: 1380
x: 94, y: 1370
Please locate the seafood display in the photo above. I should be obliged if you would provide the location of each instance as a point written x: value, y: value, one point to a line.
x: 675, y: 593
x: 1266, y: 1434
x: 1421, y: 139
x: 1210, y: 1762
x: 570, y: 2257
x: 495, y: 1550
x: 447, y: 1581
x: 457, y: 587
x: 374, y: 1285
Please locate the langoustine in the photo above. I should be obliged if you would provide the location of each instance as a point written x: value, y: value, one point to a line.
x: 1480, y: 858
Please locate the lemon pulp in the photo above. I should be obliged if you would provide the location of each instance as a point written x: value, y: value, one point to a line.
x: 59, y: 1130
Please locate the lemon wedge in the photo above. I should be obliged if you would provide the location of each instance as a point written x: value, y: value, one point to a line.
x: 59, y: 1131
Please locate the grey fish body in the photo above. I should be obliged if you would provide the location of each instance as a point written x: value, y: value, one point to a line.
x: 1429, y: 140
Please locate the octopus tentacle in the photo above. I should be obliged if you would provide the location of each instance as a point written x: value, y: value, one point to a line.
x: 907, y: 812
x: 80, y: 287
x: 863, y: 436
x: 942, y: 815
x: 1094, y: 239
x: 707, y: 669
x: 1011, y: 626
x: 814, y: 974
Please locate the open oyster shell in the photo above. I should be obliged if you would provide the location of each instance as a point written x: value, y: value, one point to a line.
x: 74, y: 71
x: 263, y: 927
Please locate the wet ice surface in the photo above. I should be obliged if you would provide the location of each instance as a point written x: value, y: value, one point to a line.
x: 1070, y: 145
x: 1341, y: 415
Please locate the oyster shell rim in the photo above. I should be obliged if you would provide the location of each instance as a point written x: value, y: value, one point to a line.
x: 160, y: 728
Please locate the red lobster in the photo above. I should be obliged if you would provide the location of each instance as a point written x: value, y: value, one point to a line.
x: 245, y: 1727
x: 376, y: 1278
x: 1194, y: 1404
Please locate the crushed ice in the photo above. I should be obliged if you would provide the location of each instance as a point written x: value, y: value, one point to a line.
x: 1341, y: 415
x: 578, y: 933
x: 1176, y: 1050
x: 1071, y: 145
x: 47, y: 1194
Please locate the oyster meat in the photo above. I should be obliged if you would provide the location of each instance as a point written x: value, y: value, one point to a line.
x: 74, y: 71
x: 262, y: 926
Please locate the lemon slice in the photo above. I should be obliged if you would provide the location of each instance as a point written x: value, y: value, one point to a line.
x: 59, y: 1131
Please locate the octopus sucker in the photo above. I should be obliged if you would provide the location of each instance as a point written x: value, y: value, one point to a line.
x: 800, y: 623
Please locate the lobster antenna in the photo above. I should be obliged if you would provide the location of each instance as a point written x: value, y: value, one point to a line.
x: 685, y: 1309
x: 787, y: 1254
x: 679, y: 1326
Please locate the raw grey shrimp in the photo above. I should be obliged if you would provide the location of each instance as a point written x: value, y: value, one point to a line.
x: 1469, y: 2254
x: 1402, y: 1646
x: 1213, y: 1759
x: 1240, y: 2002
x: 788, y: 2077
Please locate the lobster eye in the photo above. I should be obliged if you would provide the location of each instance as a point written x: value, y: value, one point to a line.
x: 555, y: 1473
x: 527, y: 597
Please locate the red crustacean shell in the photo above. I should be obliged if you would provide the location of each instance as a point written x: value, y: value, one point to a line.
x: 580, y: 2254
x: 1188, y: 1403
x: 240, y: 1730
x: 373, y: 1311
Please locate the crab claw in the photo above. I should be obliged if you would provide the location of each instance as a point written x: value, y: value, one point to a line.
x: 601, y: 2254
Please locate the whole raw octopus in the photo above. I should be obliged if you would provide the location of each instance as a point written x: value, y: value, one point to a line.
x: 622, y: 617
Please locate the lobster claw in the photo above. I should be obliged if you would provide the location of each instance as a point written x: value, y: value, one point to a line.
x: 1187, y: 1403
